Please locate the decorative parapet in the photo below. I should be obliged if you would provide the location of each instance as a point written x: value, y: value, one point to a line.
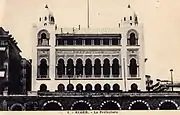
x: 111, y: 94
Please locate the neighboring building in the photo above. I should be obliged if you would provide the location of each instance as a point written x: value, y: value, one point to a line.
x: 10, y: 63
x: 28, y: 75
x: 88, y: 58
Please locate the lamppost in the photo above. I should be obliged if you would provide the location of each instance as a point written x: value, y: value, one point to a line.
x: 171, y: 70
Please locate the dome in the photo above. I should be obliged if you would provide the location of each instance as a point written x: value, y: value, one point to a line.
x: 47, y: 16
x: 129, y: 16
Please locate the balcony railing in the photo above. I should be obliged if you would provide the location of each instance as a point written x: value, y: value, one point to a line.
x: 88, y: 77
x: 43, y: 77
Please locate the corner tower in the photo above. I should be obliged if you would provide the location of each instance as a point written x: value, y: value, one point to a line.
x: 133, y: 50
x: 43, y: 48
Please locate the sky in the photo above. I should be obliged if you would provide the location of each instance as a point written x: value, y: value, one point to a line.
x: 161, y: 19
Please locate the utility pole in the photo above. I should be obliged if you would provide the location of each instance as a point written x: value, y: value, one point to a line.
x: 171, y: 70
x: 88, y: 13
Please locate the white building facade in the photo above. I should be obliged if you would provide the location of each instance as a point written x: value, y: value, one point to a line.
x: 88, y: 58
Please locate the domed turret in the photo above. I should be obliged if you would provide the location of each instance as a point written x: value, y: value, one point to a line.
x: 47, y: 17
x: 129, y: 17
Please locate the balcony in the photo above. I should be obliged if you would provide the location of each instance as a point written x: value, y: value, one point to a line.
x: 43, y: 77
x: 86, y: 77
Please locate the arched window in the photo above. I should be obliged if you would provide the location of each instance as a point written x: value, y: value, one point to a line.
x: 107, y: 87
x: 134, y: 87
x: 132, y: 40
x: 88, y: 87
x: 115, y: 68
x: 130, y: 17
x: 43, y: 87
x: 60, y: 87
x: 43, y: 40
x: 45, y: 18
x: 70, y: 68
x: 133, y: 68
x: 136, y: 19
x: 116, y: 88
x: 52, y: 19
x: 79, y: 87
x: 79, y: 67
x: 43, y: 68
x: 70, y: 87
x: 88, y: 68
x: 106, y: 68
x: 60, y: 68
x: 97, y: 68
x: 97, y: 87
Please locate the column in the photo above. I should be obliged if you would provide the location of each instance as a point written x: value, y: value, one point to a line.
x: 102, y: 75
x: 92, y: 60
x: 110, y: 62
x: 83, y: 66
x: 65, y: 63
x: 110, y: 42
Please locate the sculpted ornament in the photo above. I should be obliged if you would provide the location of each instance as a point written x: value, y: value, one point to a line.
x: 43, y: 53
x: 60, y: 52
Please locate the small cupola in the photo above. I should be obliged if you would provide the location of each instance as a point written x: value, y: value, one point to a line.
x: 129, y: 17
x: 47, y: 17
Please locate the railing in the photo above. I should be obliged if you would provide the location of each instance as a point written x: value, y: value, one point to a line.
x: 43, y: 77
x: 88, y: 77
x: 109, y: 94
